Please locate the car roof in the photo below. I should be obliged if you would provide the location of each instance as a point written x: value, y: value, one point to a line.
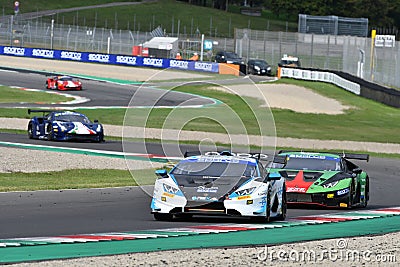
x: 310, y: 155
x: 290, y: 58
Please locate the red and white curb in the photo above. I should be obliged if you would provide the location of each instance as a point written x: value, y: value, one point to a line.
x: 201, y: 229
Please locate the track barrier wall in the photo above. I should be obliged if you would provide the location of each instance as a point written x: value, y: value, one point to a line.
x: 356, y: 85
x: 346, y: 81
x: 110, y: 59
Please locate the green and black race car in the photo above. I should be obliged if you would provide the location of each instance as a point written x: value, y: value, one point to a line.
x: 323, y: 179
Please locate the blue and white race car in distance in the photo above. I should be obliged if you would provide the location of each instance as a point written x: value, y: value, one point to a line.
x: 63, y: 126
x: 219, y: 184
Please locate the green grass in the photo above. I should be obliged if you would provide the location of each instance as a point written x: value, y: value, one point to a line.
x: 367, y: 120
x: 97, y: 178
x: 147, y: 16
x: 17, y: 95
x: 74, y: 179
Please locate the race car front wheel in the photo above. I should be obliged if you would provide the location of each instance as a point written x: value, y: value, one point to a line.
x: 267, y: 217
x: 30, y: 130
x: 49, y: 133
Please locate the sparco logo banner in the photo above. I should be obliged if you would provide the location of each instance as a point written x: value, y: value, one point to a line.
x: 99, y: 58
x: 179, y: 64
x: 71, y: 55
x: 203, y: 66
x: 126, y: 60
x: 156, y: 62
x: 16, y: 51
x: 43, y: 53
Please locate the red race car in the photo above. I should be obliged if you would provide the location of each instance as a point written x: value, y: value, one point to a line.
x: 63, y: 83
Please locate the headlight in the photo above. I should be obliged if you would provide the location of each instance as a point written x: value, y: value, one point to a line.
x: 256, y: 67
x: 269, y: 68
x: 170, y: 189
x: 330, y: 185
x: 246, y: 191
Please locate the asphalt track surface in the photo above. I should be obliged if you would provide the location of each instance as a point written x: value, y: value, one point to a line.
x: 44, y: 213
x: 103, y: 94
x: 62, y: 212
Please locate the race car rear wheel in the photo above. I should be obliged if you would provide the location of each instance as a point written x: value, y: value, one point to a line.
x: 163, y: 216
x: 30, y: 130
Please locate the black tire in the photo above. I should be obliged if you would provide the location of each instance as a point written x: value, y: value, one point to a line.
x: 30, y: 130
x: 282, y: 217
x: 162, y: 216
x: 47, y: 85
x: 351, y: 199
x: 184, y: 216
x: 366, y: 194
x: 50, y: 133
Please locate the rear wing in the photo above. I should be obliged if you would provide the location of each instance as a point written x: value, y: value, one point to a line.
x: 342, y: 154
x: 39, y: 110
x: 356, y: 156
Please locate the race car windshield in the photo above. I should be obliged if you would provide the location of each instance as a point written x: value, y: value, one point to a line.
x: 72, y: 118
x: 312, y: 164
x: 214, y: 169
x: 66, y: 79
x: 261, y: 63
x: 231, y: 55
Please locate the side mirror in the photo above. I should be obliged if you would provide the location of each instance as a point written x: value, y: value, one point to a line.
x: 273, y: 176
x: 357, y: 171
x: 96, y: 121
x: 162, y: 173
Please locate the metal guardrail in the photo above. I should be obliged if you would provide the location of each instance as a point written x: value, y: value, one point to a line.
x: 350, y: 54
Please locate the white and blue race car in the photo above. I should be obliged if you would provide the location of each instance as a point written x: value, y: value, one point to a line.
x: 219, y: 184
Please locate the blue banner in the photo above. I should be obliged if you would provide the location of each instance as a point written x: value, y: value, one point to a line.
x: 127, y: 60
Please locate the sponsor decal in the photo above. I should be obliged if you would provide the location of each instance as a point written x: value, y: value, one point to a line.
x: 307, y: 156
x: 179, y: 64
x: 212, y: 159
x: 243, y: 197
x: 296, y: 189
x: 126, y: 60
x: 203, y: 189
x: 71, y: 55
x: 342, y: 192
x: 43, y: 53
x: 203, y: 66
x: 168, y: 194
x: 99, y: 58
x: 16, y: 51
x: 155, y: 62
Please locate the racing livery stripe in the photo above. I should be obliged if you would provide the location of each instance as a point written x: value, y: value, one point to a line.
x: 201, y: 229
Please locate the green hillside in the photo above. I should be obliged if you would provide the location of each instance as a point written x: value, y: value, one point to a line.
x: 169, y: 14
